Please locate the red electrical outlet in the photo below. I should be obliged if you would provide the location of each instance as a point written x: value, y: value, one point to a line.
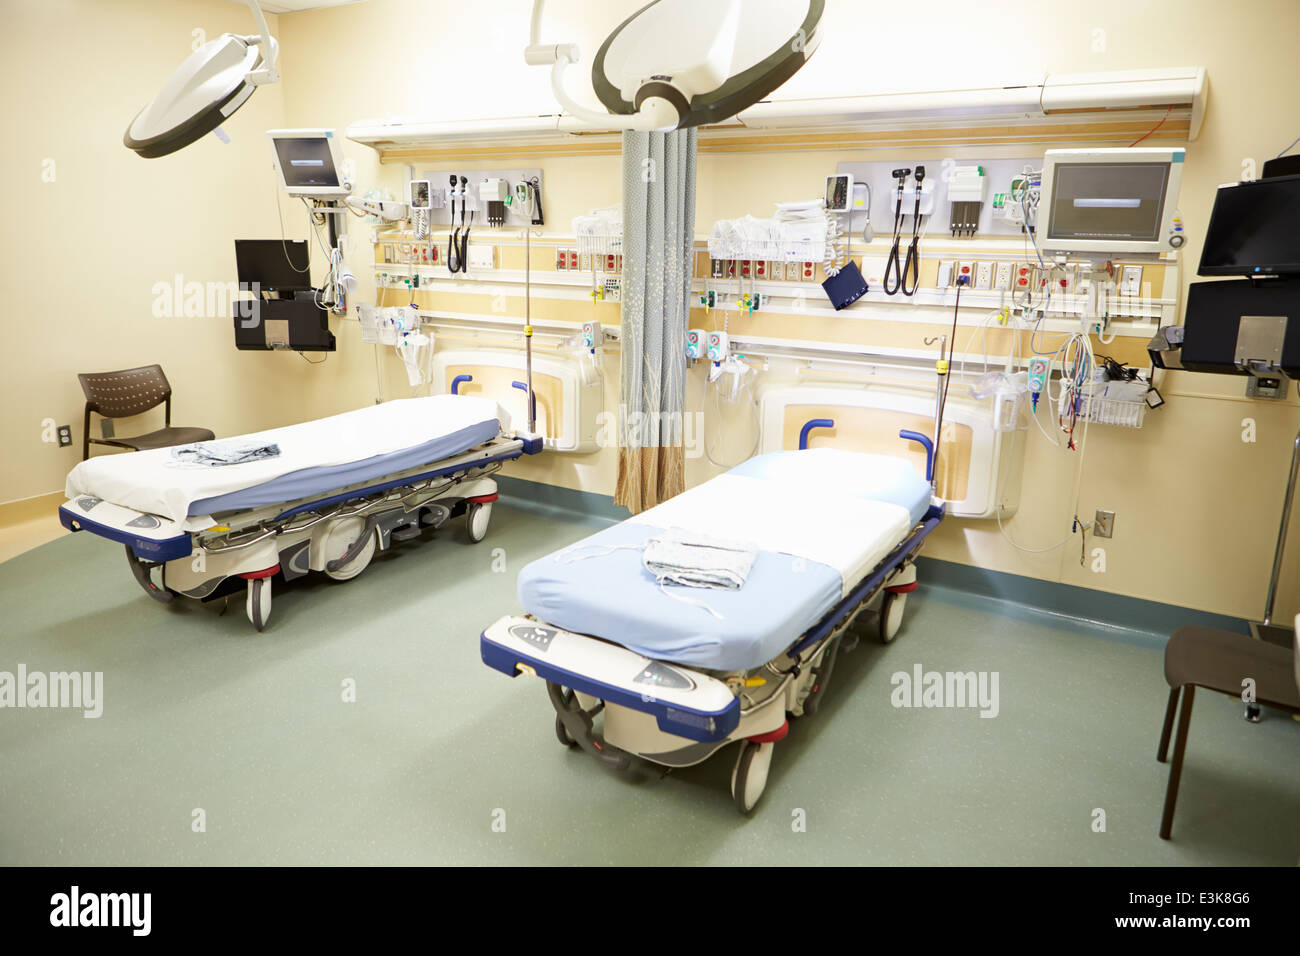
x: 808, y: 270
x: 760, y: 269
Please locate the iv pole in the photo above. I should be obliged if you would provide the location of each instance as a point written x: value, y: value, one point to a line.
x: 528, y: 328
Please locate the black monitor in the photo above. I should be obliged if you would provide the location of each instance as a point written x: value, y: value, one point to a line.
x: 1254, y: 229
x: 275, y: 265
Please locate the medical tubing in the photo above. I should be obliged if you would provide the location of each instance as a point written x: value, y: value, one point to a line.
x: 912, y: 267
x: 892, y: 262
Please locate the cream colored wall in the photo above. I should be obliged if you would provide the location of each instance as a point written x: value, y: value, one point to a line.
x: 82, y: 254
x: 1197, y: 508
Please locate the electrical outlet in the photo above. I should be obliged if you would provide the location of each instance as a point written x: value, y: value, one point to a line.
x: 585, y: 262
x: 717, y: 268
x: 965, y: 270
x: 65, y: 436
x: 1002, y: 282
x: 809, y: 272
x: 1104, y: 525
x: 792, y: 272
x: 1131, y: 281
x: 983, y: 274
x: 561, y: 260
x: 760, y: 269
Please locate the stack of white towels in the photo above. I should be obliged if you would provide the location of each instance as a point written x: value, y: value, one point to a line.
x: 797, y: 232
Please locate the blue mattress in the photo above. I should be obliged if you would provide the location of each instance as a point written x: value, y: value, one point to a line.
x: 308, y: 482
x: 612, y: 596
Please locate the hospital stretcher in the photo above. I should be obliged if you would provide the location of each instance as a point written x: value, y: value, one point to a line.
x: 337, y: 491
x: 676, y: 682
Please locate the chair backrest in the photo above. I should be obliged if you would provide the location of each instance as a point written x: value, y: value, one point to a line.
x: 127, y: 392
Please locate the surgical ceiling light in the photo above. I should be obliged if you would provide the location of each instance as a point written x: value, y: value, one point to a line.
x: 213, y: 82
x: 680, y: 63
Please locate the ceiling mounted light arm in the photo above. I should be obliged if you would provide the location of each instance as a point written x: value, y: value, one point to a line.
x: 656, y: 115
x: 650, y: 75
x: 270, y: 50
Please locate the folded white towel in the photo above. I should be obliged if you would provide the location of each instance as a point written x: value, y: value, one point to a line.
x: 680, y: 556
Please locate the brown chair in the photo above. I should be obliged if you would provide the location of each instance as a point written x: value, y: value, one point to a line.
x: 128, y: 392
x: 1221, y: 661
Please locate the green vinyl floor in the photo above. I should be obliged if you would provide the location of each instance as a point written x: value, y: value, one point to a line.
x: 440, y: 760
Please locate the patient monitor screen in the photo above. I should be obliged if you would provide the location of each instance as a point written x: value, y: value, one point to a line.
x: 1123, y: 201
x: 306, y: 162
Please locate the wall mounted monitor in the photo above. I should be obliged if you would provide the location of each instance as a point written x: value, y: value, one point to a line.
x: 1110, y: 202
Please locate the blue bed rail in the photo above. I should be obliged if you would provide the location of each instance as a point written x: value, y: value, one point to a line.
x: 809, y: 425
x: 925, y: 442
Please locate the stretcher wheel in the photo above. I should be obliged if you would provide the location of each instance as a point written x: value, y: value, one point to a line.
x: 749, y: 778
x: 258, y: 603
x: 339, y: 539
x: 476, y: 520
x: 891, y: 616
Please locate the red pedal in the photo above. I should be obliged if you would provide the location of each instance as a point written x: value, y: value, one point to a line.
x: 772, y: 736
x: 254, y: 575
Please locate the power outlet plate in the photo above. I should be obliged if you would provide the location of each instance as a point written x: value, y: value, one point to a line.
x: 1002, y: 282
x: 65, y: 436
x: 1104, y: 524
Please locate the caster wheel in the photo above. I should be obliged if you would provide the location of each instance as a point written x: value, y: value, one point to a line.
x: 563, y: 734
x: 891, y: 616
x: 476, y: 520
x: 1253, y: 713
x: 749, y: 778
x: 338, y: 539
x: 258, y: 602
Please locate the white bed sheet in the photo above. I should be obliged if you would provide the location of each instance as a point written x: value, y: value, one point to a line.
x: 830, y: 526
x: 155, y: 482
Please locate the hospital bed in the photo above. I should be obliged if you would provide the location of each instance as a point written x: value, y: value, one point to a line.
x: 680, y: 675
x: 334, y: 493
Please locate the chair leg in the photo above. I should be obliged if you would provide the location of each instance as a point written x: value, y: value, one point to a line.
x: 1176, y: 768
x: 1163, y: 753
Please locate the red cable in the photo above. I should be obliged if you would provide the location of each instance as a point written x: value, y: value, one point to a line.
x: 1152, y: 129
